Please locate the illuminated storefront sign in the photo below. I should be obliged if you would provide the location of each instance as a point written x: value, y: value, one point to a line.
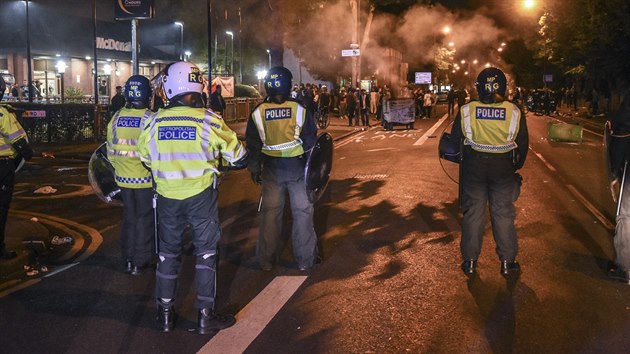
x: 112, y: 44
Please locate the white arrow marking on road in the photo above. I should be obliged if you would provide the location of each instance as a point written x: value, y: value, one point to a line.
x: 431, y: 130
x: 254, y: 317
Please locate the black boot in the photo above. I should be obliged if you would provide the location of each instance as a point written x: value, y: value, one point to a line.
x: 208, y: 321
x: 165, y: 315
x: 510, y: 268
x: 469, y: 267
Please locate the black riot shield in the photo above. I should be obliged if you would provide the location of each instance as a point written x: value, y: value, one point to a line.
x: 448, y: 148
x: 102, y: 178
x: 318, y: 167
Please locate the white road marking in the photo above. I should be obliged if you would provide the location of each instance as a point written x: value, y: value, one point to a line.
x: 350, y: 139
x: 431, y: 130
x: 383, y: 149
x: 254, y: 317
x: 602, y: 219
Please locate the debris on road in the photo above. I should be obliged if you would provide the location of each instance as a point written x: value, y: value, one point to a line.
x: 45, y: 190
x: 56, y: 240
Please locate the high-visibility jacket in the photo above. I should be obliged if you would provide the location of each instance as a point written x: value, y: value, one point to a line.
x: 183, y: 145
x: 490, y: 127
x: 279, y: 127
x: 122, y: 148
x: 10, y: 132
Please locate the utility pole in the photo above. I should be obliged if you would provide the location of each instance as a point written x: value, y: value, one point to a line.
x: 355, y: 43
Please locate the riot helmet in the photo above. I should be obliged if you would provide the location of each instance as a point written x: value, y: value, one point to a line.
x: 180, y: 84
x: 138, y: 91
x: 278, y: 83
x: 3, y: 87
x: 491, y: 85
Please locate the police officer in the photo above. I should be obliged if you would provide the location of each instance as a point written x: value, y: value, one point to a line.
x: 279, y: 132
x: 183, y: 144
x: 14, y: 147
x: 134, y: 180
x: 495, y: 144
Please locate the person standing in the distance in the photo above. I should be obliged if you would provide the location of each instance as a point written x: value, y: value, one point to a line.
x: 325, y: 101
x: 461, y: 97
x: 494, y: 132
x: 364, y: 104
x: 279, y: 133
x: 217, y: 103
x: 118, y: 101
x: 450, y: 98
x: 14, y: 147
x: 352, y: 102
x: 183, y: 144
x: 135, y: 182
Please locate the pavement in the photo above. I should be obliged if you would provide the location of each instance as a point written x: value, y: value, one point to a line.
x: 41, y: 247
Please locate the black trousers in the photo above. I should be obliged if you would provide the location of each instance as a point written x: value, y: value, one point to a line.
x: 137, y: 239
x: 489, y: 179
x: 7, y: 182
x: 201, y: 212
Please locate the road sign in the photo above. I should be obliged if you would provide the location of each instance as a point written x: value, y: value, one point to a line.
x: 350, y: 52
x: 422, y: 78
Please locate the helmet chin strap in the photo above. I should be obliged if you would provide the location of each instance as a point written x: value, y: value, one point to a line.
x: 494, y: 98
x: 192, y: 99
x: 279, y: 99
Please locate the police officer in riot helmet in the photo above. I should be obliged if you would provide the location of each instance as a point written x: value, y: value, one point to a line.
x: 279, y: 133
x: 495, y: 144
x: 135, y: 182
x: 14, y: 148
x: 183, y: 144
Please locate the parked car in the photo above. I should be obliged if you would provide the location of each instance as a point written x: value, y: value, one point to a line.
x: 442, y: 96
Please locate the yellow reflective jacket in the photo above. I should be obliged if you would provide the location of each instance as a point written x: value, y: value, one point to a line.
x: 183, y: 145
x: 122, y: 148
x: 490, y: 127
x: 10, y: 132
x: 279, y: 127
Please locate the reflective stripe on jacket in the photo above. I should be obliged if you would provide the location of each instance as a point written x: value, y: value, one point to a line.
x: 182, y: 145
x: 279, y: 127
x: 490, y: 127
x: 10, y: 132
x: 122, y: 148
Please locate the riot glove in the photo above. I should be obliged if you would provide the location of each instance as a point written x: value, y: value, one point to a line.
x: 23, y: 149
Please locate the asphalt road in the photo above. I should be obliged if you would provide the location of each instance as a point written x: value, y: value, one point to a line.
x: 389, y: 282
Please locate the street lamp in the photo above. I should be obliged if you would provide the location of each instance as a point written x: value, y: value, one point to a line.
x: 229, y: 33
x: 61, y: 68
x: 529, y: 4
x: 269, y: 53
x: 181, y: 39
x: 188, y: 53
x: 28, y: 57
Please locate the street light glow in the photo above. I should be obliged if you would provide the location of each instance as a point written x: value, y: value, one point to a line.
x: 178, y: 23
x: 446, y: 30
x: 229, y: 33
x: 529, y: 4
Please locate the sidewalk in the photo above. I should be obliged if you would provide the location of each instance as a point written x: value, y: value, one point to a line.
x: 34, y: 242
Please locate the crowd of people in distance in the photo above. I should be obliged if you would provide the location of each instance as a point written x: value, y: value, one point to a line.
x: 354, y: 104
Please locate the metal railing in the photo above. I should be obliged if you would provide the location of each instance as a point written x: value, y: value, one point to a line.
x: 85, y: 122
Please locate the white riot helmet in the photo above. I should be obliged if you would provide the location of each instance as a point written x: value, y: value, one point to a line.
x: 181, y: 78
